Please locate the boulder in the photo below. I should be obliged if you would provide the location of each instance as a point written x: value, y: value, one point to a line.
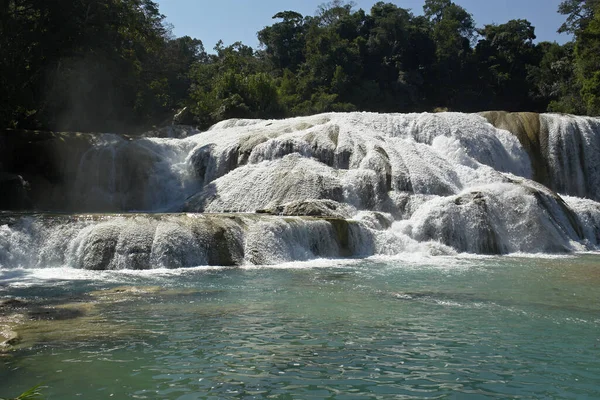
x: 311, y: 208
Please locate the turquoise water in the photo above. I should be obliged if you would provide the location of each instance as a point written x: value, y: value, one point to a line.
x: 463, y: 328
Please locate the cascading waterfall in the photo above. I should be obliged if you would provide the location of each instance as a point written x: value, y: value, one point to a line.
x: 325, y: 186
x: 143, y: 241
x: 124, y: 175
x: 574, y: 154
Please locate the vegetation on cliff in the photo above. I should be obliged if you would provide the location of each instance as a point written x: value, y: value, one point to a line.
x: 107, y: 65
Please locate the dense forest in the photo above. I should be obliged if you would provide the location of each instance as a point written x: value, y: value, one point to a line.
x: 114, y: 65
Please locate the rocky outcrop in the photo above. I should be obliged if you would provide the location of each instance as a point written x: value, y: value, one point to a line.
x: 312, y: 208
x: 564, y: 149
x: 515, y: 216
x: 532, y: 135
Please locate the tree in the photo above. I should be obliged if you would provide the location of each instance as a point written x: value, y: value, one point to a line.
x: 330, y: 13
x: 505, y: 54
x: 233, y: 84
x: 579, y: 13
x: 119, y: 68
x: 452, y: 19
x: 553, y: 79
x: 332, y: 67
x: 453, y: 30
x: 583, y: 19
x: 167, y: 78
x: 399, y: 58
x: 92, y: 79
x: 284, y: 41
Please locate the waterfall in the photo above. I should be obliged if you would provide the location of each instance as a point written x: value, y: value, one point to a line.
x: 147, y: 241
x: 324, y: 186
x: 573, y: 154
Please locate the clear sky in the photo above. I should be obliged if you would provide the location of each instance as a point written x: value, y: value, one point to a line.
x: 239, y: 20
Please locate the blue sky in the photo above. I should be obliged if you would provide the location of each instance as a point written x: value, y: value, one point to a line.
x: 239, y: 20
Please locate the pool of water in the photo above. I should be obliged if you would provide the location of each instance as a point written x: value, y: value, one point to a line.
x: 472, y: 327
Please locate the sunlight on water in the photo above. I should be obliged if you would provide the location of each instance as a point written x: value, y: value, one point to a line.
x: 466, y: 327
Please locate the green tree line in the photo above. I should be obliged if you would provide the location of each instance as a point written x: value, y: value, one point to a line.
x: 114, y: 65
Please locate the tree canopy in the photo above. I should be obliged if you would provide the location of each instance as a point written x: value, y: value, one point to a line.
x: 106, y: 65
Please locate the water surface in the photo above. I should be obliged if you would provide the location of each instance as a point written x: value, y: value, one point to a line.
x: 439, y: 327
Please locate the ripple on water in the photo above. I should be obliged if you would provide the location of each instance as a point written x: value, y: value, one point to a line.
x: 491, y: 327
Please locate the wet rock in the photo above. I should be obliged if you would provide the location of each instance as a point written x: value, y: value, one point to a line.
x: 11, y: 304
x: 563, y: 149
x: 527, y: 127
x: 312, y: 208
x: 172, y: 131
x: 125, y: 292
x: 376, y: 220
x: 54, y: 313
x: 11, y: 338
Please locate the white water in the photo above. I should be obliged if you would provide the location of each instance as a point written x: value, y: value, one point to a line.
x: 432, y: 184
x: 153, y: 241
x: 574, y: 154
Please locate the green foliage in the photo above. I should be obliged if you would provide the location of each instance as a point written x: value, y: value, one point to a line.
x: 284, y: 41
x: 578, y: 12
x: 553, y: 79
x: 505, y: 55
x: 591, y: 93
x: 233, y: 84
x: 452, y: 30
x: 118, y: 68
x: 583, y: 19
x: 115, y: 66
x: 587, y: 54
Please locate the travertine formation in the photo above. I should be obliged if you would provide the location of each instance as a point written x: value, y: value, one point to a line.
x: 330, y: 185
